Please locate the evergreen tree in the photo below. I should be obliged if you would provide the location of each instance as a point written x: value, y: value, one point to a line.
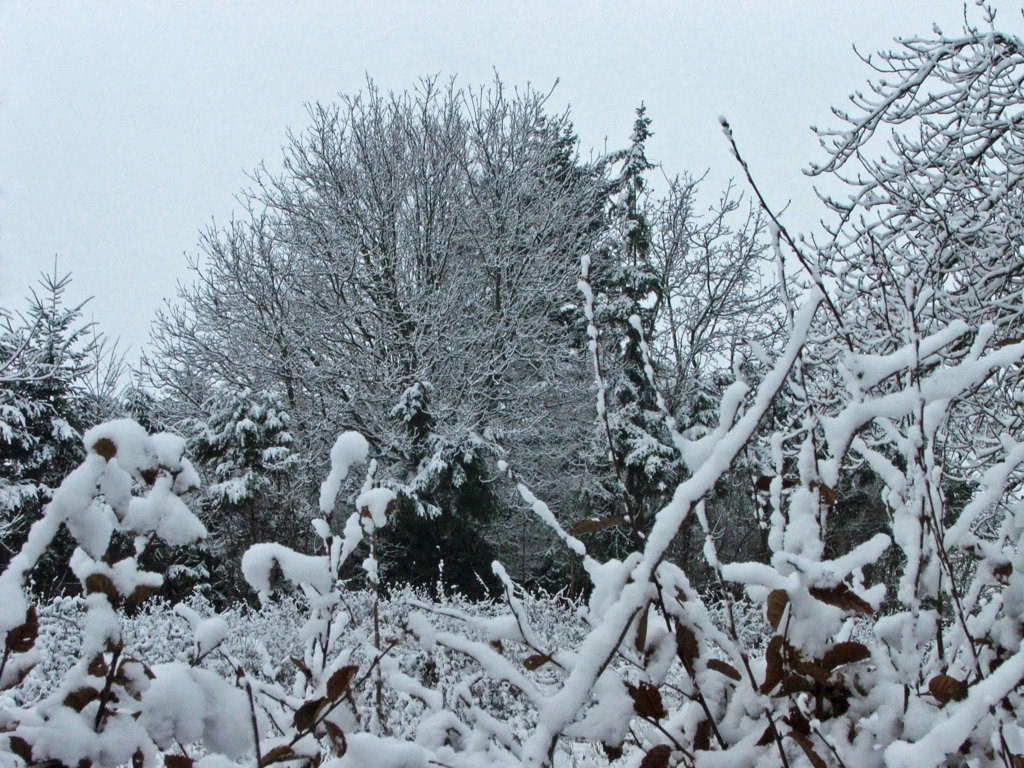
x: 446, y: 499
x: 245, y: 451
x: 46, y: 355
x: 631, y: 427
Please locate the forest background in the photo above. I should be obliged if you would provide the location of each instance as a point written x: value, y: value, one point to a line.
x: 559, y: 383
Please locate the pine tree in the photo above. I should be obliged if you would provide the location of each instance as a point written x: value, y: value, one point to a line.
x: 632, y: 433
x: 437, y: 534
x: 245, y: 451
x: 45, y: 356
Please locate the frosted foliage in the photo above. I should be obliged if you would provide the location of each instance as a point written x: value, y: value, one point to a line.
x: 174, y: 708
x: 92, y: 527
x: 135, y: 450
x: 210, y: 633
x: 162, y: 512
x: 127, y: 485
x: 169, y: 449
x: 262, y: 560
x: 186, y: 705
x: 349, y: 449
x: 377, y: 503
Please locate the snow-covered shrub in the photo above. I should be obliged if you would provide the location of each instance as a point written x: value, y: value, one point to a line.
x: 124, y: 494
x: 86, y: 683
x: 647, y: 671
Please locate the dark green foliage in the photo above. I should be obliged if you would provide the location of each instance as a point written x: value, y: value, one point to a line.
x: 244, y: 451
x: 444, y: 506
x: 448, y: 549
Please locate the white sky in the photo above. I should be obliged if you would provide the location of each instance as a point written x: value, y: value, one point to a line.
x: 125, y: 127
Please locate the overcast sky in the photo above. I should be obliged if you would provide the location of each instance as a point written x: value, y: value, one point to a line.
x: 126, y: 127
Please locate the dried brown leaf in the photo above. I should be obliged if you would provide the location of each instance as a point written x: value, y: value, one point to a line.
x: 640, y: 639
x: 278, y: 754
x: 339, y: 681
x: 794, y: 684
x: 595, y: 525
x: 947, y: 689
x: 140, y: 595
x: 612, y: 751
x: 305, y: 715
x: 841, y: 596
x: 100, y: 583
x: 687, y: 647
x: 536, y: 661
x: 1003, y: 571
x: 21, y: 639
x: 646, y: 700
x: 98, y: 666
x: 778, y: 599
x: 657, y: 757
x: 21, y: 748
x: 301, y: 666
x: 726, y: 669
x: 105, y: 447
x: 796, y: 720
x: 702, y: 738
x: 827, y: 495
x: 806, y: 667
x: 80, y: 698
x: 773, y: 665
x: 337, y: 736
x: 845, y: 653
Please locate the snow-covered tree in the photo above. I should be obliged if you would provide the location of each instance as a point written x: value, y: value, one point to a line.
x: 444, y: 500
x: 636, y: 464
x: 245, y: 450
x: 47, y: 355
x: 682, y: 303
x: 431, y: 236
